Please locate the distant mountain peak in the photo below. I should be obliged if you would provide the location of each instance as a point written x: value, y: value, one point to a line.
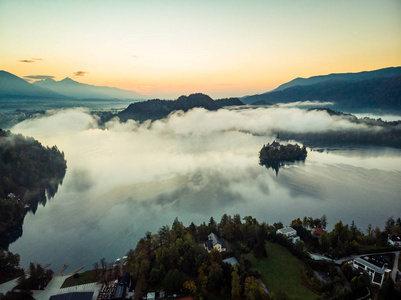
x: 14, y: 86
x: 68, y: 80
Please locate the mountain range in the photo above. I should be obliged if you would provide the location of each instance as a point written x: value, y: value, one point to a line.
x: 363, y: 91
x: 14, y: 86
x: 74, y: 89
x: 380, y: 89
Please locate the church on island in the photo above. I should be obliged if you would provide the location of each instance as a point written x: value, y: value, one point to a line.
x: 276, y: 143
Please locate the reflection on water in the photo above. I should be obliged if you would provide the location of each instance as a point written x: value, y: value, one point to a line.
x: 142, y: 178
x: 81, y: 225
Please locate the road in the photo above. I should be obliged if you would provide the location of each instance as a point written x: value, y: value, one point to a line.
x: 54, y: 286
x: 394, y: 272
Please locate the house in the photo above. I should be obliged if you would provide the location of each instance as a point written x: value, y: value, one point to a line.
x: 214, y: 242
x: 394, y: 240
x: 318, y: 231
x: 375, y: 267
x: 290, y: 233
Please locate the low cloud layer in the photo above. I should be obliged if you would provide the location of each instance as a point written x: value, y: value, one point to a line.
x: 182, y: 144
x: 39, y: 77
x: 305, y: 103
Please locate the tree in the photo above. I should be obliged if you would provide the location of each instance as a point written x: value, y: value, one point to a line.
x: 390, y: 223
x: 369, y: 230
x: 173, y: 281
x: 212, y: 225
x: 96, y: 267
x: 237, y: 219
x: 165, y: 234
x: 103, y: 263
x: 296, y: 222
x: 224, y: 221
x: 190, y: 287
x: 278, y: 225
x: 305, y: 222
x: 235, y: 285
x: 300, y: 246
x: 323, y: 221
x: 324, y: 242
x: 340, y: 233
x: 253, y: 289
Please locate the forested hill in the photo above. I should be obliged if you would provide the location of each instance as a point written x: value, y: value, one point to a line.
x: 353, y: 93
x: 28, y: 171
x: 229, y: 102
x: 158, y: 109
x: 350, y: 77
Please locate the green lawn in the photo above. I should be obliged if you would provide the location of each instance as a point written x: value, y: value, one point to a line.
x: 83, y: 278
x: 280, y: 272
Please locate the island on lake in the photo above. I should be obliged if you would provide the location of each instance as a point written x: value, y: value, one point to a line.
x: 275, y: 155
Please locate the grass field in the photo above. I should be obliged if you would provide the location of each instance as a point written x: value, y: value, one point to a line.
x: 280, y: 272
x: 83, y: 278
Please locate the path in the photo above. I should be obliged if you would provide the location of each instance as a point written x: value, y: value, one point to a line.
x: 394, y: 272
x: 341, y: 260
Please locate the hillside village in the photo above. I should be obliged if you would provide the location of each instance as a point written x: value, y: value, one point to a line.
x: 237, y: 258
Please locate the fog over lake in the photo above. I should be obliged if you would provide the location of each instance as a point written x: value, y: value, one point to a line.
x: 129, y: 178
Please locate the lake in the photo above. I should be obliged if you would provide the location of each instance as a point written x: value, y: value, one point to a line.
x: 128, y: 179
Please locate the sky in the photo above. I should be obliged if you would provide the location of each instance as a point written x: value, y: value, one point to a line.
x: 221, y: 48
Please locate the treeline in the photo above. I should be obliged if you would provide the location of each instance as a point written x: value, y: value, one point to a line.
x: 29, y: 173
x: 36, y: 278
x: 174, y: 259
x: 344, y: 239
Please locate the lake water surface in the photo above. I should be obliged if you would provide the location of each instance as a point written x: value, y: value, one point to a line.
x: 129, y: 179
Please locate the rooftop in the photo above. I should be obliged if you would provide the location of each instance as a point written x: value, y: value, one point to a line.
x: 73, y: 296
x: 286, y: 230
